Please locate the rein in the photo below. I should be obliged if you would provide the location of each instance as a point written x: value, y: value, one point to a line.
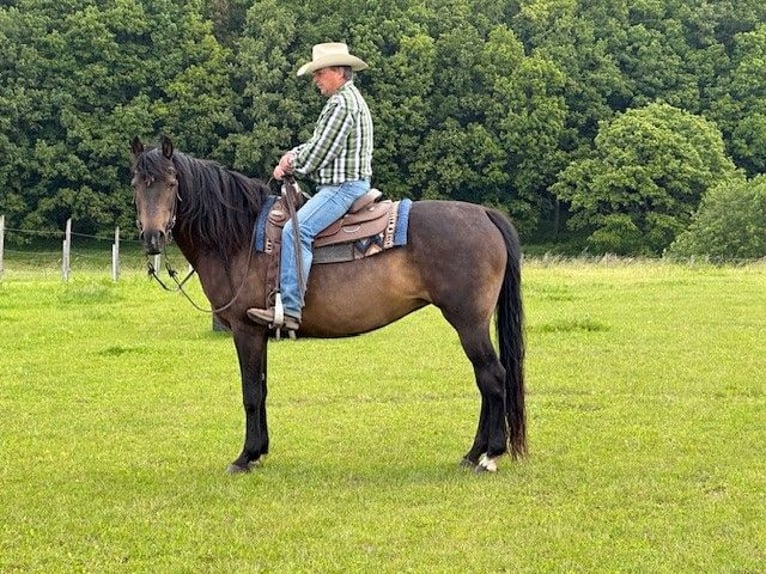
x: 179, y: 287
x: 152, y: 272
x: 291, y: 199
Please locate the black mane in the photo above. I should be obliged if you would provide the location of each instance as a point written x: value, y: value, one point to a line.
x: 217, y: 206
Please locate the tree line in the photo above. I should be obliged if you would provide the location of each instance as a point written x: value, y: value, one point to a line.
x: 606, y: 121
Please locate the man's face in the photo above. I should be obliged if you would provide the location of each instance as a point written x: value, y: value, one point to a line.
x: 328, y: 80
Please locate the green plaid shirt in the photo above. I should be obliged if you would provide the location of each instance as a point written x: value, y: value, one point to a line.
x: 341, y: 147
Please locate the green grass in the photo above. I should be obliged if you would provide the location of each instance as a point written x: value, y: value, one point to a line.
x: 120, y: 409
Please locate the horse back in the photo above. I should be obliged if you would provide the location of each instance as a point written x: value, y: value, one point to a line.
x: 452, y: 247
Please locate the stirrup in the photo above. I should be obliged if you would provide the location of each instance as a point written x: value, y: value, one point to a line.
x: 279, y: 310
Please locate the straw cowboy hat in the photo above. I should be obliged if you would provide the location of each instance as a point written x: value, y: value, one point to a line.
x: 331, y: 54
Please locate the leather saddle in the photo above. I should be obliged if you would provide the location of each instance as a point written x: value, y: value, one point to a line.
x: 361, y: 229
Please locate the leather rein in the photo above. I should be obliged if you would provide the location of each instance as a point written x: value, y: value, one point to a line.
x: 179, y: 284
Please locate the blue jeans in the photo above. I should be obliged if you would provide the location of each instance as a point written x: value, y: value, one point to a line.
x: 327, y: 205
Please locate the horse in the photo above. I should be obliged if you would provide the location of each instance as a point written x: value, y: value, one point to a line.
x: 461, y: 257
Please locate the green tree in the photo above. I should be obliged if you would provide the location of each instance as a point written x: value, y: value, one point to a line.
x: 648, y: 172
x: 461, y: 156
x: 400, y: 101
x: 497, y: 124
x: 272, y: 110
x: 78, y: 81
x: 740, y: 105
x: 530, y: 121
x: 577, y: 45
x: 730, y: 223
x: 490, y: 102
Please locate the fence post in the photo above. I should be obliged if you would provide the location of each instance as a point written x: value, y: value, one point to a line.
x: 116, y: 255
x: 67, y: 250
x: 2, y: 243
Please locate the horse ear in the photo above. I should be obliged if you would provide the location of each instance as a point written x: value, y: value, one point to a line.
x: 137, y: 146
x: 167, y: 147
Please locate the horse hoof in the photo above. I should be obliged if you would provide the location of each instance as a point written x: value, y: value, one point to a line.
x: 467, y: 463
x: 238, y: 469
x: 486, y: 464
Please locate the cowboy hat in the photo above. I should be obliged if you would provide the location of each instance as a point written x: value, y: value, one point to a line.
x: 331, y: 54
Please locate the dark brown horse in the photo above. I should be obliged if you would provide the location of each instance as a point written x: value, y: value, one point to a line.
x: 463, y: 258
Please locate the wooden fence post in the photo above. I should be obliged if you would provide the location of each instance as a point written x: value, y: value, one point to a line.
x: 67, y: 251
x: 2, y: 243
x: 116, y: 255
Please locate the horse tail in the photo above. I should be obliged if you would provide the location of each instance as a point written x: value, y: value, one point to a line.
x: 509, y: 321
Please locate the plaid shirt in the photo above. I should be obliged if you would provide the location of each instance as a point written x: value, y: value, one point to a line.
x: 341, y: 147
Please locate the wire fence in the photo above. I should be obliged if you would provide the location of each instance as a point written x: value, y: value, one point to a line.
x: 31, y: 249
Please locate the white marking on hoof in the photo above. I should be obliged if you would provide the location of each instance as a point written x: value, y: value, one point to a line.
x: 487, y: 464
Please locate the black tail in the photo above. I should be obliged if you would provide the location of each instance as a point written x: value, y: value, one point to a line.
x: 510, y: 337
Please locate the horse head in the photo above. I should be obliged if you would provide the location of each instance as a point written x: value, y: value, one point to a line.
x: 155, y: 189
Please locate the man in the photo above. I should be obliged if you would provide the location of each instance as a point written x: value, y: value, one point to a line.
x: 338, y: 156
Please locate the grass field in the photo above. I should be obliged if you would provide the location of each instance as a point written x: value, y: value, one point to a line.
x: 120, y: 409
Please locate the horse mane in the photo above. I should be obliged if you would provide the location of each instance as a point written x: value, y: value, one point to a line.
x: 217, y: 206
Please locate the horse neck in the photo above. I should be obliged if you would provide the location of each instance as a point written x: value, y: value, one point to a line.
x: 187, y: 247
x: 216, y: 210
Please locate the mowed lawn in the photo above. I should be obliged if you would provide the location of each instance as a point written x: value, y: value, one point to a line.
x: 120, y: 409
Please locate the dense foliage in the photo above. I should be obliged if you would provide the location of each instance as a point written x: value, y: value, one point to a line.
x: 645, y: 178
x: 615, y: 117
x: 730, y: 222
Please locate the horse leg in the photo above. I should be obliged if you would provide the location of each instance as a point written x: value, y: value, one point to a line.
x: 480, y: 442
x: 491, y: 439
x: 251, y: 346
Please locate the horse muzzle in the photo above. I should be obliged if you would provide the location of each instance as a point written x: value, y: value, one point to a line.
x: 154, y: 241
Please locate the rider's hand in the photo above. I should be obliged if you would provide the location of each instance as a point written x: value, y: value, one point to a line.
x: 284, y: 167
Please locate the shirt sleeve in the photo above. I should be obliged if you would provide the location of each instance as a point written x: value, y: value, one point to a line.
x: 328, y: 140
